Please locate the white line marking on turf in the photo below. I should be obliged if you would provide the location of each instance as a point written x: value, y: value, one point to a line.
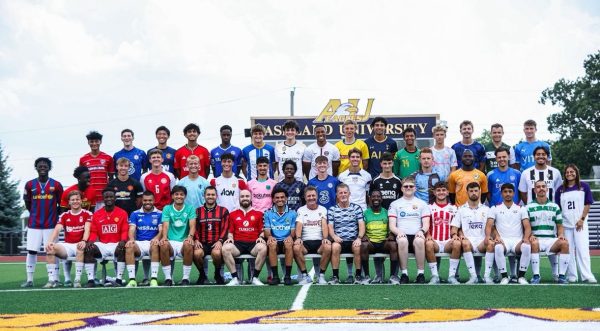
x: 299, y: 301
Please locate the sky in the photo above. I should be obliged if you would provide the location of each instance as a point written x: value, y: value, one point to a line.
x: 68, y: 67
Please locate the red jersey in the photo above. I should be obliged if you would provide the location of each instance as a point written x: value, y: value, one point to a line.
x: 88, y: 199
x: 100, y: 167
x: 74, y: 224
x: 245, y: 227
x: 182, y: 154
x: 211, y: 224
x: 441, y: 217
x: 159, y: 184
x: 109, y: 227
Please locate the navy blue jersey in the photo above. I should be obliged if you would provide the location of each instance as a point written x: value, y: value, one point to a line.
x: 377, y: 148
x: 477, y: 149
x: 215, y: 159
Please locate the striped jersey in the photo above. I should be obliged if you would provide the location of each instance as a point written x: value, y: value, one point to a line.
x: 441, y: 218
x: 44, y: 199
x: 251, y: 153
x: 212, y: 224
x: 100, y: 166
x: 550, y: 175
x: 543, y: 218
x: 345, y: 220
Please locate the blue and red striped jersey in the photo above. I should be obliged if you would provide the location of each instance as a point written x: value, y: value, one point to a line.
x: 44, y: 199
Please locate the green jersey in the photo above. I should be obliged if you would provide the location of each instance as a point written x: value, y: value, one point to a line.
x: 543, y: 218
x: 179, y: 221
x: 490, y: 155
x: 376, y: 225
x: 406, y: 163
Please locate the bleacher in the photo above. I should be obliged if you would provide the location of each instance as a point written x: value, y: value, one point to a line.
x: 594, y: 225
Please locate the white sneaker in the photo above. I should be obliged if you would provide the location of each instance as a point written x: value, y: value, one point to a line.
x: 472, y: 280
x: 255, y: 281
x: 504, y: 281
x: 591, y: 281
x: 322, y: 280
x: 366, y: 281
x: 233, y: 282
x: 394, y: 280
x: 434, y: 280
x: 488, y: 280
x: 452, y: 280
x: 305, y: 280
x: 522, y: 281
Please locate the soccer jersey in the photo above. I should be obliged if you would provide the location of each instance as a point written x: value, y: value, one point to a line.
x: 295, y: 192
x: 147, y: 224
x: 344, y: 148
x: 261, y: 193
x: 390, y: 188
x: 345, y: 220
x: 475, y: 147
x: 376, y: 149
x: 509, y: 221
x: 406, y: 163
x: 138, y: 162
x: 313, y: 150
x: 544, y: 218
x: 195, y: 190
x: 359, y: 183
x: 179, y: 221
x: 109, y: 227
x: 280, y: 225
x: 443, y: 161
x: 228, y: 191
x: 44, y: 199
x: 245, y: 226
x: 376, y: 225
x: 126, y: 193
x: 524, y: 153
x: 458, y: 181
x: 496, y: 178
x: 472, y: 221
x: 551, y: 176
x: 294, y: 153
x: 100, y: 167
x: 312, y: 221
x: 215, y: 159
x: 160, y: 185
x: 490, y: 155
x: 441, y: 217
x: 168, y: 154
x: 408, y: 214
x: 251, y: 153
x: 74, y: 224
x: 572, y: 201
x: 88, y: 199
x: 326, y: 190
x: 184, y: 152
x: 212, y: 224
x: 424, y: 185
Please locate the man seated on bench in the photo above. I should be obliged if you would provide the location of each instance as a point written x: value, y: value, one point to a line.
x: 279, y: 222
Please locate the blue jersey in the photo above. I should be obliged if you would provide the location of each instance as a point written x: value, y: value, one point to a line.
x: 325, y: 190
x: 495, y: 180
x: 377, y: 148
x: 195, y: 190
x: 147, y: 224
x: 477, y: 149
x: 281, y: 225
x: 524, y: 153
x: 424, y: 184
x: 251, y: 154
x: 168, y: 154
x: 137, y: 161
x: 215, y: 159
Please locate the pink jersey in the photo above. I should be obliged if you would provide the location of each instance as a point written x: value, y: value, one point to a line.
x: 74, y: 224
x: 441, y: 217
x: 228, y: 191
x: 261, y: 193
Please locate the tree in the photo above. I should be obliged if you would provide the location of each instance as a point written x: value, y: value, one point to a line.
x: 485, y: 138
x: 10, y: 199
x: 578, y: 124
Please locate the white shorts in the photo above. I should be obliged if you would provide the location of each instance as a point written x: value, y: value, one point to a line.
x: 475, y: 241
x: 442, y: 244
x: 71, y: 249
x: 37, y: 237
x: 177, y: 249
x: 144, y: 246
x: 107, y: 250
x: 546, y: 244
x: 511, y: 244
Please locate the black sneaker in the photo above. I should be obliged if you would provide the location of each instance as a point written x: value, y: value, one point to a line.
x: 350, y: 280
x: 119, y: 282
x: 287, y: 280
x: 404, y: 279
x: 185, y: 282
x: 274, y: 281
x: 90, y: 284
x: 201, y: 281
x: 219, y: 279
x: 420, y: 279
x: 168, y: 282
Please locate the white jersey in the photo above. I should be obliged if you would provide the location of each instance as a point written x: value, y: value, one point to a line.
x: 359, y: 183
x: 313, y: 150
x: 471, y: 220
x: 228, y: 191
x: 443, y: 160
x: 531, y: 175
x: 408, y: 214
x: 509, y: 221
x: 295, y: 153
x: 312, y: 220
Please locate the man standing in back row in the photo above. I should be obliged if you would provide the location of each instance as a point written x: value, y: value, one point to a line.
x: 378, y: 144
x: 191, y: 132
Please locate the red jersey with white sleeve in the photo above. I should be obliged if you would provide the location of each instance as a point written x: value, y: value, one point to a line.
x: 160, y: 185
x: 246, y: 227
x: 228, y: 191
x: 74, y: 224
x: 184, y: 152
x: 109, y: 227
x: 100, y: 166
x: 441, y: 217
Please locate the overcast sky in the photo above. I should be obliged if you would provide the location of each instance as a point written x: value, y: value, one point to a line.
x: 67, y: 67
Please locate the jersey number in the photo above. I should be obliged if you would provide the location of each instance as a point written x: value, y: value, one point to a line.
x: 570, y: 204
x: 157, y: 189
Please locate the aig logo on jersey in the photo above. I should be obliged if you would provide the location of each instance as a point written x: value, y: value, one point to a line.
x: 109, y: 228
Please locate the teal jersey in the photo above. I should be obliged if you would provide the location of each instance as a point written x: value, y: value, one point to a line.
x: 543, y: 218
x: 179, y: 221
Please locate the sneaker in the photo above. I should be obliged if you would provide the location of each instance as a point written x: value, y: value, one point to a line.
x: 452, y: 280
x: 145, y: 282
x: 219, y: 279
x: 334, y: 281
x: 420, y: 279
x: 394, y: 280
x: 287, y: 280
x: 472, y: 280
x: 377, y: 280
x: 305, y: 280
x: 132, y: 283
x: 118, y: 282
x: 535, y: 279
x: 562, y: 279
x: 513, y: 280
x: 68, y: 284
x: 572, y: 279
x: 434, y: 280
x: 522, y: 281
x: 51, y: 284
x: 496, y: 280
x: 27, y: 284
x: 480, y: 280
x: 275, y: 281
x: 404, y: 279
x: 322, y: 280
x: 358, y: 280
x: 201, y: 281
x: 591, y: 281
x: 555, y: 278
x: 184, y: 282
x: 504, y: 281
x: 153, y: 282
x: 350, y: 280
x: 77, y: 285
x: 168, y: 282
x: 366, y: 281
x: 90, y: 284
x: 233, y: 282
x: 489, y: 280
x: 108, y: 284
x: 256, y: 281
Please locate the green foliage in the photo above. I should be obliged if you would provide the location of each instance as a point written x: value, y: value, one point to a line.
x: 578, y: 124
x: 10, y: 200
x: 485, y: 138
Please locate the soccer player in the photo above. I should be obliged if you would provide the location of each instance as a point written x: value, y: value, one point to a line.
x: 228, y: 185
x: 245, y: 237
x: 290, y: 149
x: 320, y: 148
x: 73, y: 223
x: 438, y: 237
x: 378, y: 144
x: 88, y: 193
x: 99, y: 164
x: 178, y: 230
x: 425, y: 178
x: 409, y: 222
x: 376, y: 239
x: 191, y: 133
x: 444, y: 157
x: 525, y: 150
x: 350, y: 142
x: 212, y: 223
x: 225, y: 148
x: 262, y: 186
x: 547, y: 233
x: 194, y: 183
x: 312, y: 235
x: 513, y: 230
x: 502, y: 174
x: 467, y: 142
x: 279, y: 222
x: 406, y: 160
x: 168, y: 153
x: 496, y: 132
x: 42, y: 198
x: 252, y: 152
x: 459, y: 179
x: 128, y: 190
x: 357, y: 179
x: 158, y: 181
x: 387, y: 183
x: 144, y: 236
x: 540, y: 171
x: 293, y: 187
x: 324, y: 183
x: 346, y: 228
x: 110, y: 227
x: 137, y: 158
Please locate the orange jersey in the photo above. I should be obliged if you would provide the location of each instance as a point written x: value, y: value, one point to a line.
x: 458, y: 181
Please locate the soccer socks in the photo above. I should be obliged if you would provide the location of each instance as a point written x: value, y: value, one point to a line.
x: 554, y: 261
x: 275, y: 272
x: 186, y: 271
x: 365, y: 267
x: 288, y: 271
x: 405, y: 272
x: 563, y: 263
x: 394, y: 267
x: 89, y: 270
x: 131, y: 271
x: 433, y: 268
x: 67, y: 269
x: 512, y: 260
x: 336, y: 273
x: 535, y: 263
x: 51, y: 269
x: 167, y: 271
x: 470, y: 262
x: 146, y: 266
x: 120, y: 269
x: 78, y: 271
x: 489, y: 264
x: 525, y: 258
x: 30, y: 266
x: 500, y: 258
x: 154, y: 269
x: 453, y: 267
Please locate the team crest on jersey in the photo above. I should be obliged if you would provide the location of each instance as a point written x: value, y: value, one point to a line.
x: 234, y: 185
x: 476, y: 176
x: 512, y: 178
x: 163, y: 180
x: 116, y: 220
x: 154, y: 221
x: 284, y: 148
x: 168, y: 155
x: 297, y: 190
x: 51, y: 189
x: 233, y: 153
x: 415, y: 207
x: 252, y: 218
x: 246, y: 223
x: 136, y: 157
x: 129, y: 187
x: 268, y: 187
x: 150, y: 181
x: 103, y: 162
x: 326, y: 153
x: 395, y: 186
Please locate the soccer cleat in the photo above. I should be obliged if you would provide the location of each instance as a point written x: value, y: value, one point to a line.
x: 76, y: 285
x: 90, y: 284
x: 168, y: 282
x: 118, y: 282
x: 201, y: 281
x: 108, y: 283
x: 233, y: 282
x: 153, y: 282
x: 513, y: 280
x: 472, y: 280
x: 185, y: 282
x: 522, y: 281
x: 377, y: 280
x: 480, y: 280
x: 27, y: 284
x: 274, y: 281
x: 287, y: 280
x: 504, y: 281
x: 562, y: 279
x: 305, y: 280
x: 334, y: 281
x: 394, y: 280
x: 132, y: 283
x: 350, y: 280
x: 145, y: 282
x: 358, y: 280
x: 555, y: 278
x: 68, y: 284
x: 404, y: 279
x: 256, y: 281
x: 219, y: 279
x: 434, y: 280
x: 420, y: 279
x: 322, y: 280
x: 488, y: 280
x: 51, y: 284
x: 535, y: 279
x: 452, y: 280
x: 365, y: 281
x: 591, y: 281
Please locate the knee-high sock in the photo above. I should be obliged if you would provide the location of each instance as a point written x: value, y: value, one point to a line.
x: 554, y: 263
x: 120, y: 269
x: 167, y: 271
x: 500, y: 258
x: 30, y: 266
x: 535, y: 263
x: 433, y: 268
x: 131, y: 271
x: 470, y: 262
x: 51, y: 269
x: 78, y: 271
x: 489, y: 264
x: 67, y: 269
x: 525, y: 257
x: 186, y: 271
x: 154, y: 269
x: 453, y: 267
x: 563, y: 263
x: 89, y: 269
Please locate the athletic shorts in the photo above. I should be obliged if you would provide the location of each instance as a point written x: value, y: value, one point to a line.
x: 442, y: 244
x: 280, y: 247
x: 207, y: 248
x: 312, y: 246
x: 71, y: 249
x: 511, y: 244
x: 106, y: 249
x: 144, y: 246
x: 546, y: 244
x: 475, y: 241
x: 378, y: 247
x: 244, y: 247
x: 37, y: 237
x: 346, y: 247
x: 411, y: 241
x: 177, y: 249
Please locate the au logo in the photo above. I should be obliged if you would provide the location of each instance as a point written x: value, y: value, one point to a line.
x: 336, y: 111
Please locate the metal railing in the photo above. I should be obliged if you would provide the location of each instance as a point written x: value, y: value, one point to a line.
x: 10, y: 242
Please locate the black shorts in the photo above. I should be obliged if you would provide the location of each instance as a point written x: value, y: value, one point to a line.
x: 281, y: 247
x: 207, y: 248
x: 244, y: 247
x: 312, y: 246
x: 411, y: 240
x: 379, y: 247
x: 347, y: 247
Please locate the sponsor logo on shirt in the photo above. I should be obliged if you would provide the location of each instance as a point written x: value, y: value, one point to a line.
x: 109, y: 228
